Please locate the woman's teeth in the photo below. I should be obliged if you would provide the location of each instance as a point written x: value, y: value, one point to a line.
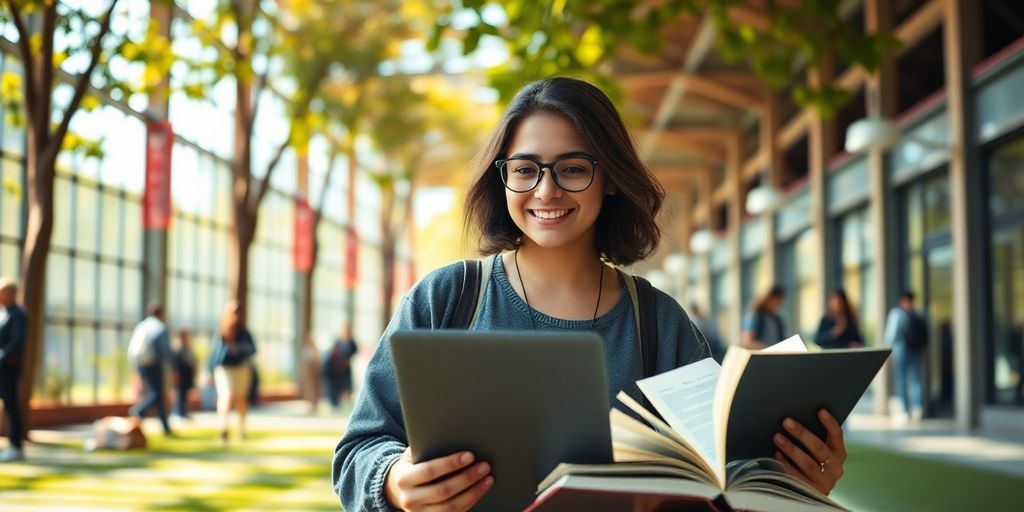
x: 550, y: 214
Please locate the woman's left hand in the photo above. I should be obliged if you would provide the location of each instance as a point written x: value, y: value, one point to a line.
x: 817, y: 462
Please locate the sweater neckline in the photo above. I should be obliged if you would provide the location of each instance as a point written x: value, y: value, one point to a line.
x: 502, y: 280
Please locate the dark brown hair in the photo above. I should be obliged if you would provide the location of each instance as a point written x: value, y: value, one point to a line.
x: 775, y: 292
x: 626, y: 230
x: 848, y: 312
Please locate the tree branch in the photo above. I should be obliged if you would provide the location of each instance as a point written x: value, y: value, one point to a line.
x: 261, y: 84
x: 83, y: 79
x: 26, y: 53
x: 319, y: 210
x: 254, y: 201
x: 46, y: 58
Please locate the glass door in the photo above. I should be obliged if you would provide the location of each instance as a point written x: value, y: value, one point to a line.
x: 938, y: 305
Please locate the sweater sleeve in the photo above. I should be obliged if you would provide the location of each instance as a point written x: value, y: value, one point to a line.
x: 683, y: 341
x: 376, y: 435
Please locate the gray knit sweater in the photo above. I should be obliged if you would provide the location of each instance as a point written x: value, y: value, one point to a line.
x: 376, y: 431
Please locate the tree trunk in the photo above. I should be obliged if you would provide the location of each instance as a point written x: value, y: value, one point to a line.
x: 387, y: 250
x: 243, y: 226
x: 41, y: 161
x: 306, y: 293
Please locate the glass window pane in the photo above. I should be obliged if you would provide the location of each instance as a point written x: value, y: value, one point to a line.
x: 936, y: 204
x: 109, y: 291
x: 112, y: 366
x: 1008, y: 315
x: 808, y: 303
x: 84, y: 361
x: 86, y: 204
x: 53, y: 381
x: 132, y: 231
x: 1006, y: 179
x: 14, y: 136
x: 10, y: 260
x: 62, y: 213
x: 85, y: 288
x: 58, y: 280
x: 110, y: 225
x: 131, y: 294
x: 10, y: 201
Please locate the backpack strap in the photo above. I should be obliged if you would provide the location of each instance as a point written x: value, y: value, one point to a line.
x: 642, y: 295
x: 471, y: 292
x: 467, y: 288
x: 484, y: 267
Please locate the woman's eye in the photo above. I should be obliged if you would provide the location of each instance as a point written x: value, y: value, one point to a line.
x: 572, y: 170
x: 524, y: 170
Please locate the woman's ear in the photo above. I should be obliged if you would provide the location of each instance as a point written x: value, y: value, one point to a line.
x: 610, y: 189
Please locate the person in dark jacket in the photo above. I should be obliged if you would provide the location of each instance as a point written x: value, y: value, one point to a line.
x: 762, y: 326
x: 13, y: 323
x: 231, y: 365
x: 185, y: 373
x: 338, y: 368
x: 838, y: 328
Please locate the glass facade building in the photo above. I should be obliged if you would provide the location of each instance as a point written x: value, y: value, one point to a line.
x: 875, y: 225
x: 97, y: 263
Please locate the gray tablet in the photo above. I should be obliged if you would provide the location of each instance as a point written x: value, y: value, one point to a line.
x: 522, y: 401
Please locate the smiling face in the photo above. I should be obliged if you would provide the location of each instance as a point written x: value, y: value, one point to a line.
x: 547, y: 215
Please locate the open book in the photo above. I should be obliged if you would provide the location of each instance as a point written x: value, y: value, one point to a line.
x: 715, y: 445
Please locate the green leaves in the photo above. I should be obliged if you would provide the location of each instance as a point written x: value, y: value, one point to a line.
x: 575, y: 37
x: 11, y: 96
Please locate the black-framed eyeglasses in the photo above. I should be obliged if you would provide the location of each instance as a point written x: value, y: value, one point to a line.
x: 571, y: 173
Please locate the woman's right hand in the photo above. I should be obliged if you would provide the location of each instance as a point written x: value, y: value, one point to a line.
x: 451, y: 483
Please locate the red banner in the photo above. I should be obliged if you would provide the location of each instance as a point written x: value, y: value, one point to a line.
x: 352, y: 259
x: 302, y: 250
x: 156, y: 197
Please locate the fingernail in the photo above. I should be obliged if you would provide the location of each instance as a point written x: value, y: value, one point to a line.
x: 483, y: 468
x: 466, y: 458
x: 489, y: 481
x: 823, y: 414
x: 779, y: 439
x: 789, y: 423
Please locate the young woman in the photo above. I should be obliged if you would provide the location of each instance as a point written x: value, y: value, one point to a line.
x: 559, y: 195
x: 231, y: 365
x: 838, y: 328
x: 762, y: 326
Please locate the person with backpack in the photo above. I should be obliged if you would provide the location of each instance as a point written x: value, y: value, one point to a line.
x: 149, y: 352
x: 762, y: 326
x: 906, y: 331
x: 560, y: 198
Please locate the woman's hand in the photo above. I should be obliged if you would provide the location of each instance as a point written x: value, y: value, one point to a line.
x: 451, y: 483
x: 818, y: 463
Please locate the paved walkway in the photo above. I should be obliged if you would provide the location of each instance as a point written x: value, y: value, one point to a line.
x: 940, y: 439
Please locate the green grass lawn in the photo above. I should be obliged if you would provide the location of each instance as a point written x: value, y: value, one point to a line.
x: 281, y: 471
x: 288, y: 470
x: 876, y: 480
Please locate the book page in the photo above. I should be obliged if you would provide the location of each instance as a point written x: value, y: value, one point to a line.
x: 790, y: 344
x: 685, y: 398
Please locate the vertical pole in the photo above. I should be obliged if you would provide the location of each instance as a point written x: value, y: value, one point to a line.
x: 884, y: 218
x: 962, y: 39
x: 154, y: 241
x: 821, y: 140
x: 736, y: 197
x: 771, y: 176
